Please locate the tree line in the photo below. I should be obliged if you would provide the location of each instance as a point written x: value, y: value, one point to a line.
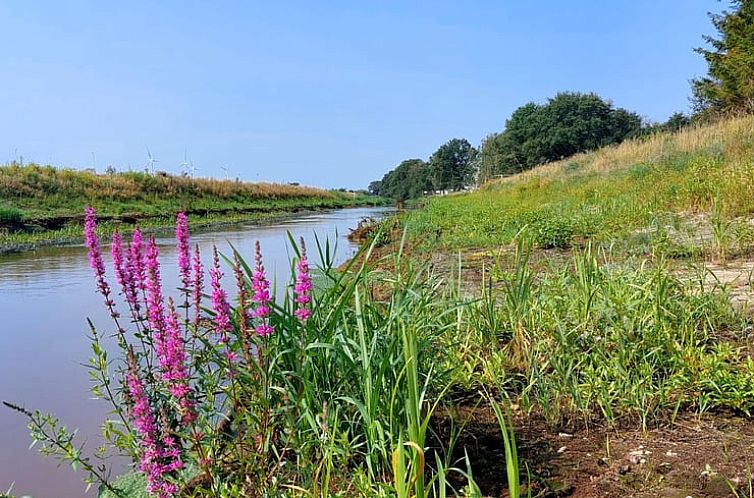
x: 573, y: 122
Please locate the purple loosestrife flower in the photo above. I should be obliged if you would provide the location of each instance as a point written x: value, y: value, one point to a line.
x: 136, y: 260
x: 182, y: 240
x: 95, y: 258
x: 303, y: 287
x: 155, y: 301
x: 220, y: 302
x: 243, y: 305
x: 159, y: 457
x: 171, y: 353
x: 261, y: 287
x: 123, y: 273
x: 197, y: 285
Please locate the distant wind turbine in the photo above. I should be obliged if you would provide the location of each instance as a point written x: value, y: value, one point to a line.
x: 185, y: 164
x: 150, y: 161
x: 225, y: 169
x: 194, y: 169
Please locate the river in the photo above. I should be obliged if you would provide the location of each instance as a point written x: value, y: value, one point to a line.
x: 45, y: 298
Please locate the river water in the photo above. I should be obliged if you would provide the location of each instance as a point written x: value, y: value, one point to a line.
x: 45, y: 298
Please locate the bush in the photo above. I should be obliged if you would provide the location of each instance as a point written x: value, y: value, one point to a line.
x: 10, y: 215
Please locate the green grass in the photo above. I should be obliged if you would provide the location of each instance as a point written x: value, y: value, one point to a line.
x: 42, y: 205
x: 605, y: 195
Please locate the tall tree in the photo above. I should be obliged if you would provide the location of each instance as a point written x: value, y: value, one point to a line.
x: 409, y: 180
x: 729, y: 84
x: 452, y: 165
x: 567, y: 124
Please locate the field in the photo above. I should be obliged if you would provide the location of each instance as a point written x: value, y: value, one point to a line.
x: 44, y: 205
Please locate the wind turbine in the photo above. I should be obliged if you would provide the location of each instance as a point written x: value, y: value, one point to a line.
x: 194, y: 169
x: 185, y: 164
x: 225, y: 169
x: 150, y: 161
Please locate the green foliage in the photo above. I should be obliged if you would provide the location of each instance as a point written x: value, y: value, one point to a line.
x: 729, y: 84
x: 569, y: 123
x: 452, y: 166
x: 130, y: 485
x: 409, y: 180
x: 10, y: 215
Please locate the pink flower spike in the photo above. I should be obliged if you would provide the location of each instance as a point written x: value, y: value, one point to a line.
x: 171, y: 354
x: 155, y: 301
x: 95, y: 259
x: 219, y: 298
x: 303, y: 288
x: 261, y: 288
x: 197, y: 285
x: 159, y: 457
x: 136, y: 261
x: 123, y: 273
x: 182, y: 240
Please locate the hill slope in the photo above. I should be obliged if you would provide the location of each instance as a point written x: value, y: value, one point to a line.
x: 696, y: 180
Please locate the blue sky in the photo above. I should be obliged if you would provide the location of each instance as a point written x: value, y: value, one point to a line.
x: 326, y: 93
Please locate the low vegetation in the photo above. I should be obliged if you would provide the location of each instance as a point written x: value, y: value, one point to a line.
x: 426, y: 366
x: 43, y: 204
x: 661, y: 188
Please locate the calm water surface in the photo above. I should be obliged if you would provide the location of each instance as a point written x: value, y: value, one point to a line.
x: 45, y: 298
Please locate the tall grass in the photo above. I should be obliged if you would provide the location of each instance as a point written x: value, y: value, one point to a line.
x: 45, y: 191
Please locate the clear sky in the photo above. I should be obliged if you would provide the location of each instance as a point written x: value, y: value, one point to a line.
x: 331, y: 93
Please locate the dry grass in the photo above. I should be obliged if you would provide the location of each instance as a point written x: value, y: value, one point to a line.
x: 42, y: 181
x: 733, y: 138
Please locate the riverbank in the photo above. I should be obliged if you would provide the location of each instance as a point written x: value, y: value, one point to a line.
x: 43, y: 205
x: 72, y: 233
x: 612, y: 307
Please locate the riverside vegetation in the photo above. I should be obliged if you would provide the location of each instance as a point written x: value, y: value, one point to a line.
x: 42, y: 205
x: 581, y: 328
x: 563, y: 333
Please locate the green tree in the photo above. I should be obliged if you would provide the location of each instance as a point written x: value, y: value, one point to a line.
x: 676, y: 121
x: 729, y: 84
x: 452, y: 166
x: 375, y: 187
x: 567, y: 124
x: 409, y: 180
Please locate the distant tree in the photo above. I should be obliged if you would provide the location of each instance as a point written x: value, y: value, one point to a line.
x: 452, y: 165
x: 375, y: 187
x: 409, y: 180
x: 676, y: 121
x: 567, y: 124
x: 729, y: 84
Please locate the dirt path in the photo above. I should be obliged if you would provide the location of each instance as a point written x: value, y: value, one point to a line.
x: 703, y: 457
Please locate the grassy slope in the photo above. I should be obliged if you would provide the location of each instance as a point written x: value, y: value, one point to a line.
x: 611, y: 276
x: 42, y: 204
x: 608, y: 194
